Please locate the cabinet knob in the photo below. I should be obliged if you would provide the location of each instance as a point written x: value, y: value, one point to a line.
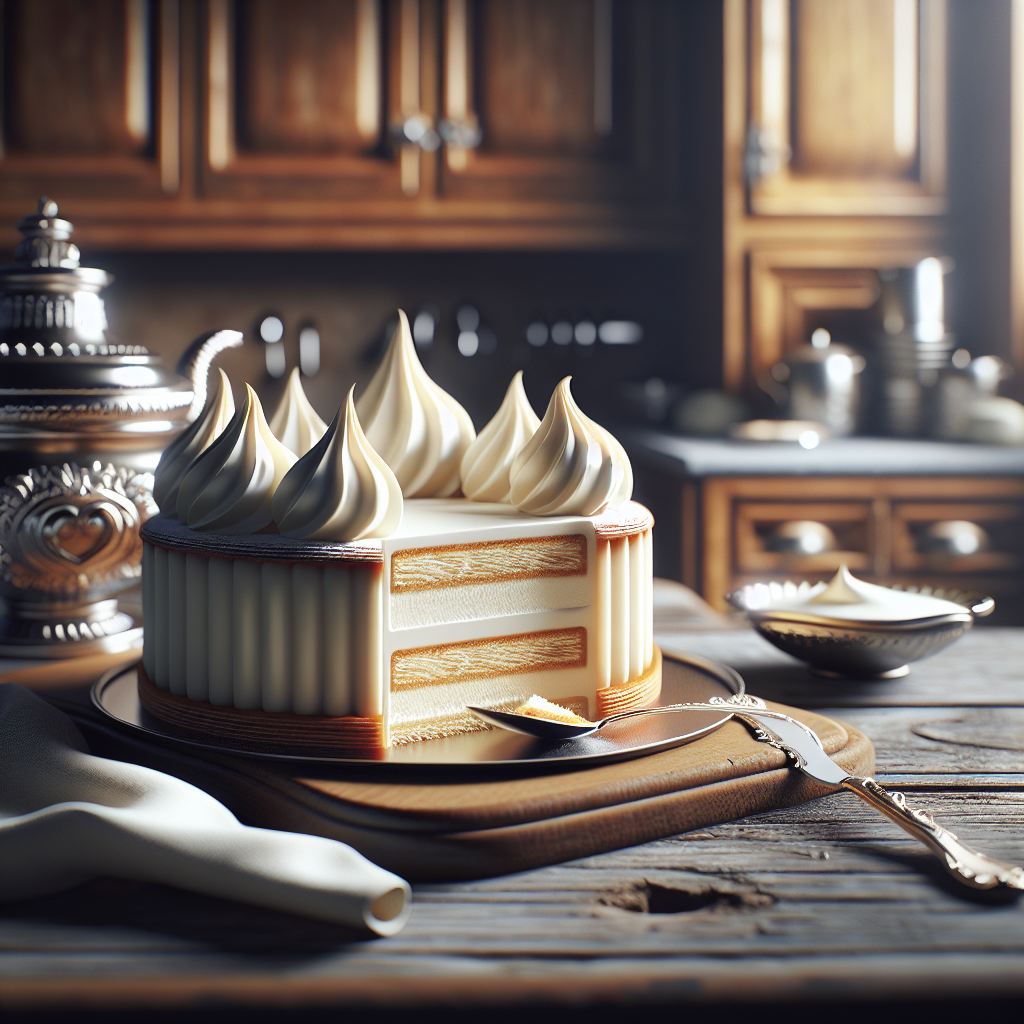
x: 800, y: 537
x: 763, y: 155
x: 417, y: 130
x: 461, y: 133
x: 953, y: 537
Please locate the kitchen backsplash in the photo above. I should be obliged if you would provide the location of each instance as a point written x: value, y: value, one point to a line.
x: 602, y: 318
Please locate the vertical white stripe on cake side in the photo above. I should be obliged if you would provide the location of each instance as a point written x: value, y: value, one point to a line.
x: 601, y: 634
x: 159, y: 626
x: 176, y: 621
x: 219, y: 603
x: 275, y: 636
x: 637, y: 593
x: 197, y: 600
x: 649, y: 597
x: 337, y: 640
x: 367, y: 604
x: 620, y: 610
x: 148, y: 611
x: 245, y: 634
x: 307, y: 619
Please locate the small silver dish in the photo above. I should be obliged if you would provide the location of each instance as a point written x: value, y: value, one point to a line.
x: 844, y: 649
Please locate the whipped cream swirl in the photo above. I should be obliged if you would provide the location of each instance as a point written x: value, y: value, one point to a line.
x: 229, y: 488
x: 295, y: 422
x: 191, y: 442
x: 341, y: 489
x: 486, y: 464
x: 846, y: 597
x: 571, y: 465
x: 420, y: 431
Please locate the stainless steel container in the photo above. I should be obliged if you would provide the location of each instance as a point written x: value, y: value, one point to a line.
x: 822, y: 384
x: 83, y: 420
x: 913, y: 348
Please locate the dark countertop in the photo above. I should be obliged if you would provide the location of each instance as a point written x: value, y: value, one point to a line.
x: 854, y: 456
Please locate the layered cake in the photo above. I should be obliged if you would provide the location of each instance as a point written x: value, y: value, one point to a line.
x: 343, y: 591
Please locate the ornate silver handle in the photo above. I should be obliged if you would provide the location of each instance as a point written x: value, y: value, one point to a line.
x: 734, y: 703
x: 966, y: 865
x: 194, y: 365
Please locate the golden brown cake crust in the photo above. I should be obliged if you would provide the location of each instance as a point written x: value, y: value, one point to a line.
x: 269, y: 731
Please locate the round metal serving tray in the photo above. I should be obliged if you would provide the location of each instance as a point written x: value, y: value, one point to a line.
x: 684, y: 679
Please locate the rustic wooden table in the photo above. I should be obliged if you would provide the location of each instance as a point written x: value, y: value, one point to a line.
x: 826, y: 903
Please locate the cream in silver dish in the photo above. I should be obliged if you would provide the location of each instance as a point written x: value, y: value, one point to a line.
x: 848, y: 628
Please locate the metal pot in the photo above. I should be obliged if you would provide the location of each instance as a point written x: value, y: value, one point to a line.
x: 83, y: 420
x: 821, y: 382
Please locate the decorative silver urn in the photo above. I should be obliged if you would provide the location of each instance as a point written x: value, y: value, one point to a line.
x: 83, y: 420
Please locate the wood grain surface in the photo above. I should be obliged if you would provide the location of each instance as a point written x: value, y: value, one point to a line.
x: 824, y: 901
x: 427, y: 824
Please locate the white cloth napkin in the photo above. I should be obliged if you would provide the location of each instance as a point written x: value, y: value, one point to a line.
x: 67, y: 816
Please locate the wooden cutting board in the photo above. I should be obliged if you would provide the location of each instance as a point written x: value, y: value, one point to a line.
x: 428, y: 824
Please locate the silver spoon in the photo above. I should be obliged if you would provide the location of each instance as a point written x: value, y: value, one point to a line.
x: 802, y: 745
x: 552, y: 729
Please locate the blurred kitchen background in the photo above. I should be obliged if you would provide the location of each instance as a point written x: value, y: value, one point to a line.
x: 779, y: 244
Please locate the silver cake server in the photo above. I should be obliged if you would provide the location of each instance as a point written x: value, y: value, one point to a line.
x: 802, y: 745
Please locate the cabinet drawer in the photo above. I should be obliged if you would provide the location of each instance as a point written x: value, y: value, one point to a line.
x: 801, y: 537
x: 956, y: 537
x: 937, y: 531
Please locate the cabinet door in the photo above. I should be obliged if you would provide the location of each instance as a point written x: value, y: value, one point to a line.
x: 575, y: 101
x: 294, y: 94
x: 847, y: 107
x: 90, y: 102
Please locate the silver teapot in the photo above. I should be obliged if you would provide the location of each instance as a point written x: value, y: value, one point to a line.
x: 83, y: 420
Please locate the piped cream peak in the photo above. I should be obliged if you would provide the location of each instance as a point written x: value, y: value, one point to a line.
x: 229, y: 488
x: 179, y: 455
x: 845, y: 588
x: 571, y: 465
x: 341, y: 489
x: 849, y: 598
x: 486, y: 465
x: 418, y: 429
x: 295, y: 422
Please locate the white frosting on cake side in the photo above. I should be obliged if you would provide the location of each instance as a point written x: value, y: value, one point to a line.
x: 418, y: 429
x: 295, y: 422
x: 179, y: 455
x: 846, y: 597
x: 341, y: 490
x: 571, y: 465
x: 486, y: 465
x: 229, y: 487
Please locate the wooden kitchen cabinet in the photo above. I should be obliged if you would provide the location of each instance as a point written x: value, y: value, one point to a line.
x: 91, y: 106
x: 360, y: 123
x: 835, y: 161
x: 578, y: 100
x: 879, y: 524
